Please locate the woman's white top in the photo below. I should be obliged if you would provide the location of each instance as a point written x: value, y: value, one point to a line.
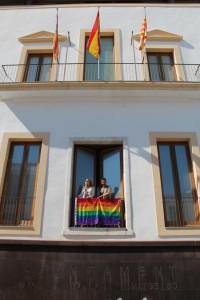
x: 87, y: 192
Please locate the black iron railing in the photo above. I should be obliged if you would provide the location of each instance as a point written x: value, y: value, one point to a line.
x: 181, y: 211
x: 16, y: 211
x: 105, y: 72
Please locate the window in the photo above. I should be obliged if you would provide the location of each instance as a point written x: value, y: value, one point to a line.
x: 38, y: 67
x: 22, y: 182
x: 96, y: 161
x: 175, y: 165
x: 105, y: 156
x: 163, y: 61
x: 178, y: 188
x: 92, y: 161
x: 161, y: 66
x: 35, y: 63
x: 18, y: 197
x: 105, y: 69
x: 110, y: 58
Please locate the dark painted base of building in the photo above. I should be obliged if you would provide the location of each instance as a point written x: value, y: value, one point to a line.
x: 99, y: 271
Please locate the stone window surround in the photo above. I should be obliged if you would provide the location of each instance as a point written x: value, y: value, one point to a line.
x: 191, y: 138
x: 42, y: 137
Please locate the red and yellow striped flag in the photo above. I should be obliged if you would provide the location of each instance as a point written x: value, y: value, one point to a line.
x: 94, y: 45
x: 55, y: 41
x: 143, y: 34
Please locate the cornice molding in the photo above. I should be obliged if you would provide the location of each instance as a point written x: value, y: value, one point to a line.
x: 47, y: 6
x: 100, y: 91
x: 41, y: 37
x: 160, y: 35
x: 85, y: 85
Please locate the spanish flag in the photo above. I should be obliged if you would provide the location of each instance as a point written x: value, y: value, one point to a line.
x: 55, y: 41
x: 143, y: 34
x: 93, y: 45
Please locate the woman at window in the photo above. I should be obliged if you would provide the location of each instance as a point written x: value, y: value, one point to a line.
x: 87, y: 190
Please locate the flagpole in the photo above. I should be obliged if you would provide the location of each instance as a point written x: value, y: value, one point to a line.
x: 132, y: 43
x: 143, y: 38
x: 145, y: 56
x: 99, y: 53
x: 68, y: 44
x: 57, y: 62
x: 98, y: 70
x: 145, y: 63
x: 93, y: 44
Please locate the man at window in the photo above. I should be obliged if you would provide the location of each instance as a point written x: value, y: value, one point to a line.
x: 105, y: 191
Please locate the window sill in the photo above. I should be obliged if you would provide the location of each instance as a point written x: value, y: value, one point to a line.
x: 19, y: 227
x: 188, y: 227
x: 85, y: 231
x: 19, y: 230
x: 179, y: 231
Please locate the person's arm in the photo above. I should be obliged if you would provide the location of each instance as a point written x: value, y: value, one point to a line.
x: 100, y: 193
x: 108, y: 192
x: 81, y: 194
x: 91, y: 192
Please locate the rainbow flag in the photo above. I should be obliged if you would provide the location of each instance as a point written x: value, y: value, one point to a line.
x: 86, y: 211
x: 109, y: 212
x: 97, y: 211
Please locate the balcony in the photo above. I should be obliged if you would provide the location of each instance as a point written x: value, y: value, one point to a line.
x: 118, y: 72
x: 64, y: 82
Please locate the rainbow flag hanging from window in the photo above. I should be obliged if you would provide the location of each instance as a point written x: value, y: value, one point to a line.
x: 109, y: 212
x: 86, y: 211
x: 95, y: 211
x: 94, y: 45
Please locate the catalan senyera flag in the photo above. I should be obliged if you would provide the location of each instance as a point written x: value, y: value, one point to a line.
x: 55, y: 41
x: 94, y: 45
x: 143, y: 34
